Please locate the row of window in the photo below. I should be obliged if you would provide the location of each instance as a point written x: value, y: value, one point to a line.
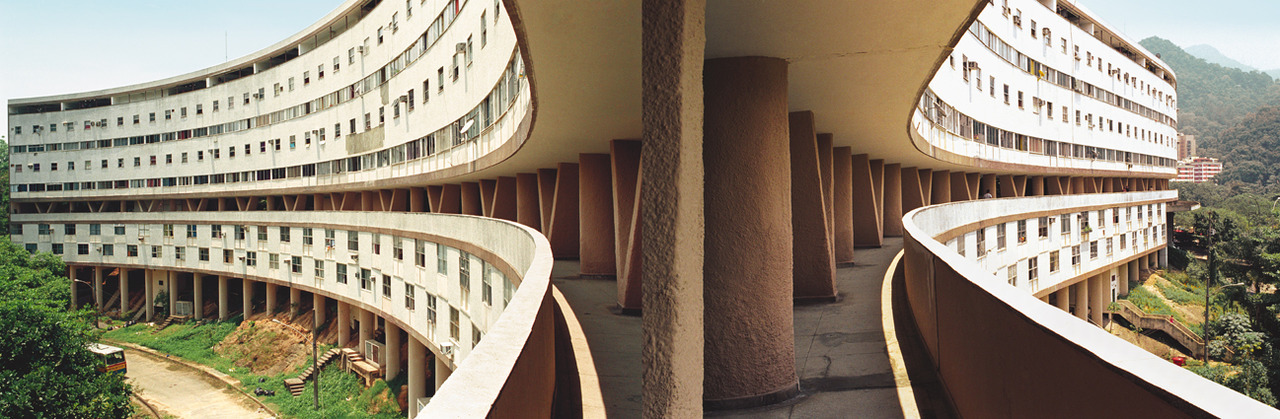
x: 948, y: 118
x: 484, y: 115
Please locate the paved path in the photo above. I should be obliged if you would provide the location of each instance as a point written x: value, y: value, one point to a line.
x: 177, y: 390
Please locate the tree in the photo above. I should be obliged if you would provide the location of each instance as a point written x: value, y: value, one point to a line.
x: 45, y: 368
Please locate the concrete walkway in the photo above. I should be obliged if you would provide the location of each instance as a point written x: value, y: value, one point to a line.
x: 177, y: 390
x: 841, y: 355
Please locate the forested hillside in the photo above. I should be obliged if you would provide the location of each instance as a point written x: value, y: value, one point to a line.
x: 1213, y: 98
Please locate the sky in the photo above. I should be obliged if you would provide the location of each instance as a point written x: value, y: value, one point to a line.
x: 63, y: 46
x: 50, y: 47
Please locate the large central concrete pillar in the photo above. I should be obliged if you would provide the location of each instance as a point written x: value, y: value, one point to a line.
x: 271, y: 298
x: 150, y: 300
x: 1099, y: 288
x: 1081, y: 292
x: 295, y: 301
x: 246, y: 291
x: 170, y: 279
x: 750, y: 349
x: 417, y: 374
x: 97, y: 287
x: 1064, y: 299
x: 223, y: 310
x: 842, y: 174
x: 123, y: 276
x: 318, y: 306
x: 595, y: 206
x: 671, y: 210
x: 71, y: 273
x: 392, y: 363
x: 892, y: 200
x: 813, y: 269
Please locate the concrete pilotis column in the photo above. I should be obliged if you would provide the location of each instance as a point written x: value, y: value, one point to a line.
x: 75, y: 293
x: 223, y: 310
x: 625, y: 159
x: 318, y: 305
x: 813, y: 269
x: 562, y: 228
x: 246, y: 291
x: 825, y: 169
x: 671, y: 212
x: 150, y: 300
x: 988, y: 185
x: 344, y: 324
x: 1081, y: 292
x: 366, y: 329
x: 1099, y: 287
x: 749, y: 352
x: 171, y: 284
x: 869, y: 201
x: 295, y: 301
x: 392, y: 363
x: 124, y: 291
x: 842, y: 200
x: 197, y: 292
x: 504, y: 199
x: 271, y: 298
x: 1122, y: 281
x: 1163, y: 257
x: 941, y: 187
x: 1134, y: 280
x: 417, y: 374
x: 892, y: 200
x: 595, y: 206
x: 97, y: 287
x: 442, y: 372
x: 1064, y: 299
x: 528, y: 208
x: 471, y: 199
x: 1037, y: 186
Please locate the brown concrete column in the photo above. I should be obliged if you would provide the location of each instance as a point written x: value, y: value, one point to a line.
x: 417, y: 200
x: 1099, y: 286
x: 813, y: 269
x: 1122, y: 281
x: 223, y: 308
x: 1037, y: 186
x: 988, y: 185
x: 625, y: 163
x: 487, y: 190
x: 916, y: 187
x: 97, y: 287
x: 941, y: 187
x: 344, y: 324
x: 960, y: 187
x: 1007, y: 187
x: 504, y: 199
x: 563, y: 230
x: 318, y: 307
x: 528, y: 208
x: 595, y: 206
x: 150, y: 300
x: 1064, y: 299
x: 171, y: 284
x: 246, y: 291
x: 892, y: 201
x: 868, y: 202
x: 1081, y: 292
x: 470, y: 199
x: 392, y: 363
x: 124, y: 291
x: 271, y: 299
x: 750, y: 350
x: 825, y: 170
x: 842, y: 199
x: 671, y: 213
x: 367, y: 323
x: 295, y: 301
x: 197, y: 292
x: 417, y: 374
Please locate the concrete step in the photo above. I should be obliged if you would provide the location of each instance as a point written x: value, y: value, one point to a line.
x: 294, y: 385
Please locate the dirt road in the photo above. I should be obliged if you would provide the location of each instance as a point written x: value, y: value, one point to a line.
x: 177, y: 390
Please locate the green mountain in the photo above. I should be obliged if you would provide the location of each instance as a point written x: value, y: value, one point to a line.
x: 1213, y: 98
x: 1211, y: 54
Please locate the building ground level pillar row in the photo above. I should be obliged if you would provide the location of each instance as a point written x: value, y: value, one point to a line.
x: 1064, y: 299
x: 197, y: 295
x: 749, y: 352
x: 892, y: 200
x: 344, y: 324
x: 149, y: 302
x: 75, y: 292
x: 223, y: 309
x: 246, y: 295
x: 123, y: 277
x: 97, y: 287
x: 813, y: 267
x: 1081, y: 293
x: 320, y: 305
x: 367, y: 323
x: 1100, y: 296
x: 842, y: 202
x: 392, y: 363
x: 271, y: 298
x: 595, y: 211
x: 417, y: 374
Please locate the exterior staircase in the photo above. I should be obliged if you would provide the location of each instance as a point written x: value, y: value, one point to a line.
x: 297, y: 385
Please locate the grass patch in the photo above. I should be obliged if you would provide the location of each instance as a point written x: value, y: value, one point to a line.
x: 341, y: 396
x: 1152, y: 304
x: 189, y: 341
x: 1182, y: 293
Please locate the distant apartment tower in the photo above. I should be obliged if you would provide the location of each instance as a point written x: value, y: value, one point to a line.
x: 1198, y: 169
x: 1186, y: 146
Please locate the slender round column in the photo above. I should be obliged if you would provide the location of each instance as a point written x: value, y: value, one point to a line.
x: 749, y: 355
x: 222, y: 298
x: 417, y: 374
x: 344, y: 324
x: 392, y: 363
x: 246, y: 291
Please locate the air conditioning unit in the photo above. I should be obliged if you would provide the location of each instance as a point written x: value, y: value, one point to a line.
x: 446, y: 349
x: 360, y: 49
x: 257, y: 96
x: 355, y: 257
x: 461, y: 48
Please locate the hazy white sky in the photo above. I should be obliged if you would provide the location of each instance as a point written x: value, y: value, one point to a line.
x: 63, y: 46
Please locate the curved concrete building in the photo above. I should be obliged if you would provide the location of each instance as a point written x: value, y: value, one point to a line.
x: 413, y: 173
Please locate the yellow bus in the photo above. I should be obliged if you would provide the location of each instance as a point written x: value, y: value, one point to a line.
x: 110, y: 358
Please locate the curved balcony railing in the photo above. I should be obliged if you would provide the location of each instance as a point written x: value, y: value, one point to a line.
x: 1000, y: 352
x: 523, y: 339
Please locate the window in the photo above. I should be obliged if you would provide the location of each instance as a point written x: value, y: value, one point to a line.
x: 1065, y: 223
x: 228, y: 256
x: 1053, y: 261
x: 319, y: 268
x: 1075, y: 255
x: 329, y: 240
x: 1123, y: 242
x: 1042, y: 225
x: 342, y: 273
x: 31, y: 247
x: 386, y: 286
x: 1006, y: 94
x: 1000, y: 236
x: 365, y: 280
x: 377, y: 244
x: 453, y: 323
x: 419, y: 253
x: 408, y: 296
x: 981, y: 234
x: 306, y: 236
x: 475, y: 336
x: 960, y: 245
x: 353, y: 241
x: 284, y: 234
x: 1022, y: 231
x: 44, y: 229
x: 295, y: 264
x: 82, y: 249
x: 204, y: 254
x: 442, y: 259
x: 251, y: 259
x: 69, y: 229
x: 215, y: 103
x: 1020, y: 100
x: 486, y: 287
x: 1093, y: 249
x: 484, y: 30
x: 262, y: 233
x: 1013, y: 274
x: 95, y: 229
x: 464, y: 278
x: 397, y: 249
x: 273, y: 261
x: 1109, y: 244
x: 119, y: 230
x: 107, y: 249
x: 431, y: 316
x: 379, y: 35
x: 1033, y: 269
